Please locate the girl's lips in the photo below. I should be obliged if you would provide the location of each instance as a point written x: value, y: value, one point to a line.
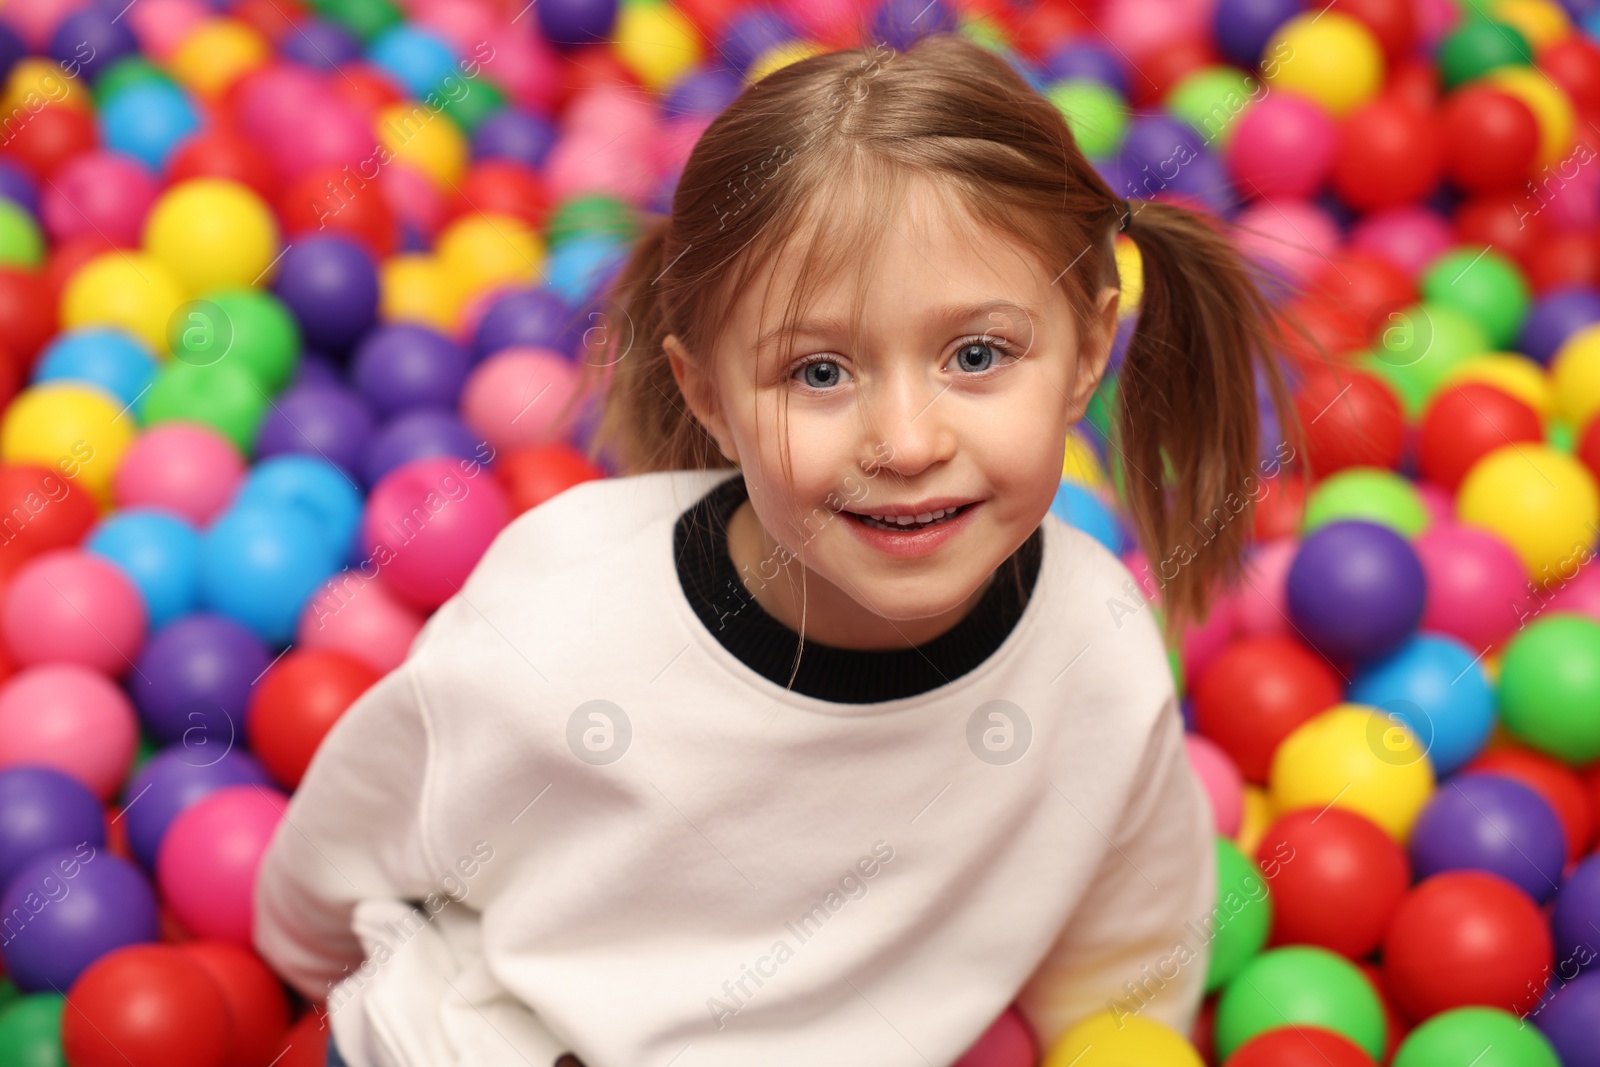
x: 912, y: 544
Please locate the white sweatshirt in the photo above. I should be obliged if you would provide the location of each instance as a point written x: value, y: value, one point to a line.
x: 628, y: 844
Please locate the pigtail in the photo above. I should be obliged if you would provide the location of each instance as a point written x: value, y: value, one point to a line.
x: 1188, y: 429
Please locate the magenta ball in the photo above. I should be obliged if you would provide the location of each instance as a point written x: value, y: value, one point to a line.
x: 1223, y: 784
x: 71, y: 606
x: 516, y: 397
x: 1475, y: 585
x: 1201, y: 644
x: 361, y: 618
x: 182, y: 467
x: 1283, y: 146
x: 72, y: 719
x: 206, y: 866
x: 428, y: 523
x: 1007, y: 1043
x: 1291, y: 238
x: 1260, y: 605
x: 100, y: 193
x: 1408, y: 237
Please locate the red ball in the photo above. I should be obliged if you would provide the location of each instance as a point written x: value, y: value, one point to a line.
x: 1159, y: 70
x: 27, y: 314
x: 1588, y: 451
x: 1560, y: 258
x: 50, y: 137
x: 369, y: 89
x: 1389, y: 155
x: 505, y: 187
x: 306, y: 1043
x: 1331, y: 330
x: 1574, y: 64
x: 1281, y: 509
x: 273, y: 19
x: 1300, y: 1046
x: 225, y: 153
x: 1351, y: 418
x: 1491, y: 139
x: 1496, y: 220
x: 297, y: 703
x: 1553, y: 780
x: 46, y: 510
x: 1254, y: 694
x: 1415, y: 83
x: 1465, y: 938
x: 147, y: 1005
x: 257, y: 1004
x: 530, y: 476
x: 588, y: 66
x: 1040, y: 28
x: 1368, y: 286
x: 1466, y: 422
x: 1392, y: 22
x: 1339, y: 878
x: 338, y: 201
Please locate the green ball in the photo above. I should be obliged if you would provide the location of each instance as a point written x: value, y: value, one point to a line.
x: 30, y: 1032
x: 1484, y: 285
x: 1096, y: 114
x: 1550, y: 687
x: 224, y: 396
x: 1479, y: 46
x: 21, y: 244
x: 1242, y: 918
x: 474, y: 107
x: 134, y: 70
x: 1300, y: 985
x: 250, y: 327
x: 1481, y: 1037
x: 1419, y: 346
x: 595, y: 214
x: 1367, y: 494
x: 1213, y: 99
x: 364, y: 18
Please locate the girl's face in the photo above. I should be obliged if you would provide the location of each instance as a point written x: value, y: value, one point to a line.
x: 960, y: 390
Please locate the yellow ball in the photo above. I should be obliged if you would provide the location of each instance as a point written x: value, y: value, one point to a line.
x: 1122, y: 1040
x: 1258, y: 815
x: 1540, y: 501
x: 1575, y: 371
x: 69, y: 426
x: 418, y: 288
x: 1328, y: 57
x: 1512, y: 374
x: 131, y: 290
x: 217, y: 53
x: 482, y: 251
x: 778, y: 57
x: 657, y: 42
x: 1081, y: 464
x: 211, y: 232
x: 425, y: 140
x: 1540, y: 21
x: 1549, y: 104
x: 1130, y: 269
x: 35, y: 83
x: 1355, y: 757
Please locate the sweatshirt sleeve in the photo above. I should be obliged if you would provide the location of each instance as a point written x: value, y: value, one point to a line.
x: 352, y: 831
x: 1130, y: 947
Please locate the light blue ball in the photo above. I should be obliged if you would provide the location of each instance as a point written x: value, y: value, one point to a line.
x: 259, y: 564
x: 159, y: 552
x: 147, y: 121
x: 416, y: 59
x: 1079, y: 506
x: 576, y: 268
x: 1433, y: 685
x: 110, y: 359
x: 318, y: 488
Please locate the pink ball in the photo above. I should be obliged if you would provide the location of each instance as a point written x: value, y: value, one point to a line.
x: 428, y: 523
x: 1409, y: 237
x: 521, y: 396
x: 1435, y: 19
x: 527, y: 68
x: 1282, y: 148
x: 583, y: 164
x: 1140, y: 28
x: 361, y: 618
x: 1581, y: 594
x: 72, y: 606
x: 413, y: 197
x: 35, y: 20
x: 269, y: 99
x: 102, y: 192
x: 1259, y: 603
x: 1584, y: 210
x: 463, y: 23
x: 1440, y: 504
x: 70, y: 718
x: 1223, y: 784
x: 162, y: 25
x: 1292, y: 238
x: 1008, y: 1042
x: 335, y: 133
x: 1475, y: 584
x: 181, y: 466
x: 206, y: 865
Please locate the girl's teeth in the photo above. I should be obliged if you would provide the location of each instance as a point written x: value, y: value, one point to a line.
x: 901, y: 522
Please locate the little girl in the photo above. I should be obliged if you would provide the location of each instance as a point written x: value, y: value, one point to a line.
x: 814, y: 739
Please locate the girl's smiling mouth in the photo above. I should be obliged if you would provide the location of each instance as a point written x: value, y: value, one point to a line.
x: 907, y: 533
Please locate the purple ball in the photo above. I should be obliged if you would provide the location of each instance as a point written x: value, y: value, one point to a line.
x: 752, y: 33
x: 1556, y: 316
x: 516, y: 135
x: 407, y: 366
x: 568, y: 23
x: 1204, y: 181
x: 1355, y: 591
x: 1243, y: 27
x: 1155, y: 153
x: 902, y: 23
x: 535, y: 317
x: 68, y: 907
x: 320, y: 44
x: 1080, y: 61
x: 705, y: 92
x: 16, y: 186
x: 173, y: 779
x: 323, y: 420
x: 330, y: 284
x: 1489, y: 823
x: 42, y: 810
x: 93, y: 40
x: 1575, y: 921
x: 417, y: 433
x: 193, y: 680
x: 12, y: 49
x: 1571, y: 1020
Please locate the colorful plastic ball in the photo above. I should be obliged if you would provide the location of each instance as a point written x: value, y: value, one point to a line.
x: 1261, y: 607
x: 1463, y: 423
x: 207, y: 863
x: 147, y: 121
x: 419, y: 434
x: 1549, y: 104
x: 657, y: 43
x: 1434, y: 686
x: 331, y: 286
x: 1570, y: 1019
x: 1291, y: 240
x: 307, y: 206
x: 1096, y: 113
x: 1490, y: 139
x: 1220, y: 779
x: 72, y: 606
x: 73, y: 428
x: 108, y: 359
x: 30, y: 1030
x: 1256, y: 692
x: 224, y: 153
x: 1299, y: 985
x: 414, y: 58
x: 1337, y: 877
x: 145, y: 1006
x: 1482, y: 284
x: 1354, y: 757
x: 581, y: 267
x: 297, y: 703
x: 1573, y: 371
x: 1540, y: 501
x: 257, y: 1006
x: 525, y: 138
x: 435, y: 148
x: 1512, y: 374
x: 1577, y: 907
x: 174, y: 778
x: 133, y: 291
x: 534, y: 318
x: 184, y: 468
x: 260, y: 562
x: 1367, y: 494
x: 224, y: 396
x: 521, y: 397
x: 97, y: 902
x: 1464, y: 938
x: 1282, y: 146
x: 46, y: 511
x: 157, y: 550
x: 1087, y: 510
x: 1335, y: 61
x: 1556, y: 783
x: 1239, y: 923
x: 216, y: 53
x: 1491, y: 823
x: 1009, y: 1042
x: 1389, y: 154
x: 1555, y: 317
x: 42, y: 809
x: 1495, y: 1037
x: 211, y: 232
x: 104, y: 194
x: 1550, y: 687
x: 1473, y: 581
x: 326, y: 421
x: 1351, y: 418
x: 417, y: 288
x: 313, y: 485
x: 405, y: 366
x: 86, y: 42
x: 68, y: 717
x: 1105, y: 1039
x: 428, y: 523
x: 1300, y: 1046
x: 245, y: 326
x: 1355, y: 590
x: 360, y: 618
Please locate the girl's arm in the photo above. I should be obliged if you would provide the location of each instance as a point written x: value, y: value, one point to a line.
x: 352, y: 831
x: 1137, y: 944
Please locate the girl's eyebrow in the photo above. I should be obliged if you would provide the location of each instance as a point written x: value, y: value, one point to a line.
x: 948, y: 317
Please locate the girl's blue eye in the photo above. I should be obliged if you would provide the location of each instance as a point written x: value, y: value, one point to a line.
x: 976, y: 355
x: 820, y: 373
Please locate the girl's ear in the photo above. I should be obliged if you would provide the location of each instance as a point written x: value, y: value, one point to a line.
x: 698, y: 392
x: 1095, y: 351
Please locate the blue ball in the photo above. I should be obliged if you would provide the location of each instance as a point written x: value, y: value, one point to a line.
x: 110, y: 359
x: 147, y: 120
x: 1435, y: 687
x: 579, y: 267
x: 416, y: 59
x: 318, y: 488
x: 158, y: 551
x: 1079, y: 506
x: 259, y: 564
